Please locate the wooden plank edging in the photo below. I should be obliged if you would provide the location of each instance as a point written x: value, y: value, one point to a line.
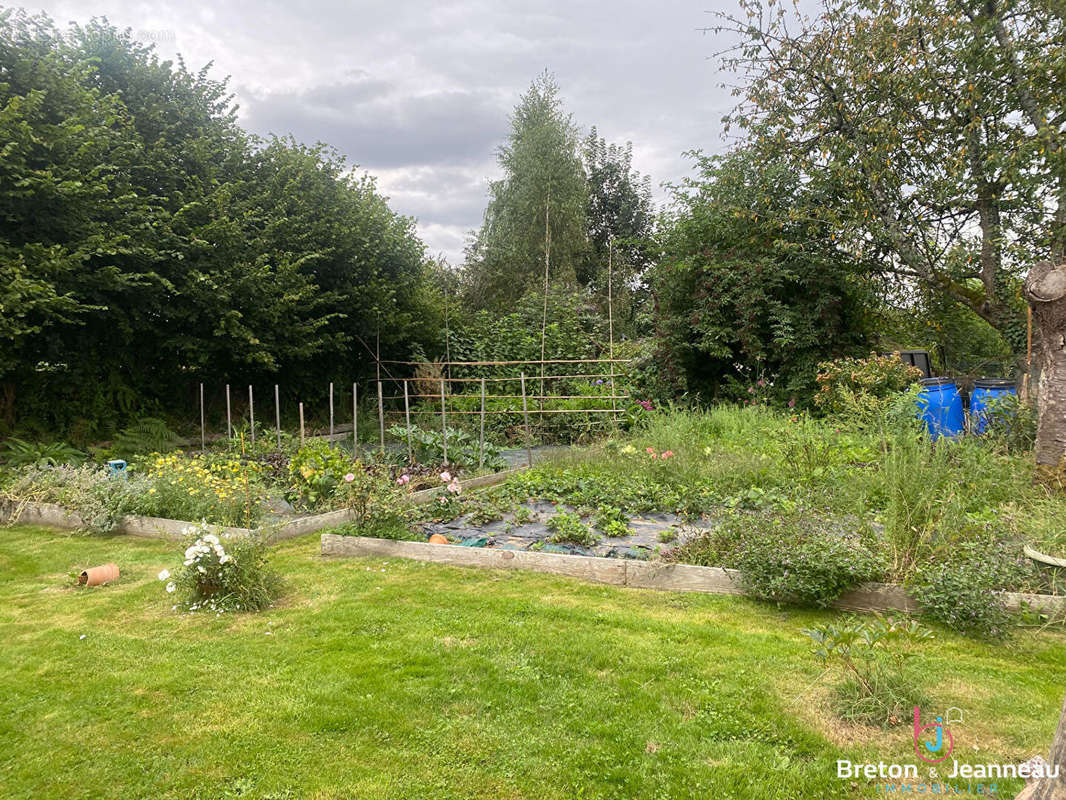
x: 57, y: 516
x: 641, y: 574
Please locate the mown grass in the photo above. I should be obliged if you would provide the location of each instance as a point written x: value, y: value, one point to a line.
x: 397, y: 679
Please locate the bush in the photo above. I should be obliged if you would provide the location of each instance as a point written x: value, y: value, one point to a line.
x: 878, y: 685
x: 99, y: 498
x: 315, y: 472
x: 463, y: 449
x: 847, y: 384
x: 375, y: 499
x: 223, y: 491
x: 963, y: 591
x: 223, y: 573
x: 1011, y: 423
x: 20, y: 453
x: 804, y: 560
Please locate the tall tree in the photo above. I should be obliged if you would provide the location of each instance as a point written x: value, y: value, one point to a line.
x: 534, y: 227
x: 940, y: 123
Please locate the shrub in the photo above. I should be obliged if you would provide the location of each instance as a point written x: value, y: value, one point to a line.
x: 223, y: 491
x: 847, y: 384
x: 99, y: 498
x: 19, y: 453
x: 375, y: 499
x: 963, y: 591
x: 223, y: 573
x: 568, y: 527
x: 804, y: 560
x: 872, y: 657
x: 315, y: 472
x: 1011, y: 423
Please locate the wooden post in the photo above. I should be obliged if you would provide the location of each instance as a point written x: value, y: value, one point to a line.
x: 251, y: 412
x: 331, y: 413
x: 525, y: 413
x: 443, y: 423
x: 277, y: 415
x: 229, y: 422
x: 407, y: 417
x: 610, y: 329
x: 355, y: 421
x: 203, y: 431
x: 481, y: 441
x: 301, y: 424
x: 381, y: 417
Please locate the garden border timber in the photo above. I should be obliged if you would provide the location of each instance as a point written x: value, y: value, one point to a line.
x: 642, y: 574
x: 57, y: 516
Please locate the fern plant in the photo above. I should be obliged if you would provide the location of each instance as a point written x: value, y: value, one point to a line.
x: 145, y: 435
x: 20, y: 453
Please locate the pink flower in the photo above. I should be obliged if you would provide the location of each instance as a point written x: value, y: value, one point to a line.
x: 445, y: 477
x: 792, y: 403
x: 651, y: 450
x: 668, y: 454
x: 404, y: 479
x: 751, y: 390
x: 454, y: 487
x: 349, y: 477
x: 760, y: 383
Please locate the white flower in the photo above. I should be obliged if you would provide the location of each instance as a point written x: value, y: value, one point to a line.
x: 201, y: 570
x: 223, y: 559
x: 164, y: 574
x: 445, y: 477
x: 171, y: 587
x: 211, y: 538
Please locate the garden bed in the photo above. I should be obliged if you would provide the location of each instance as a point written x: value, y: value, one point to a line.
x: 637, y: 574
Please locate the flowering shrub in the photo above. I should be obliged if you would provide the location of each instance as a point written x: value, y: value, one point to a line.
x: 99, y: 499
x: 223, y: 573
x: 448, y: 505
x: 378, y: 502
x: 225, y: 491
x: 850, y: 383
x: 315, y: 472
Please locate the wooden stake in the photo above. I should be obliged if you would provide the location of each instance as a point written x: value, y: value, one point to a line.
x: 525, y: 413
x: 229, y: 422
x: 251, y: 412
x: 203, y: 430
x: 331, y: 413
x: 381, y: 417
x: 481, y: 441
x: 610, y: 322
x: 355, y: 420
x: 407, y: 417
x: 301, y: 425
x: 443, y: 423
x: 277, y: 415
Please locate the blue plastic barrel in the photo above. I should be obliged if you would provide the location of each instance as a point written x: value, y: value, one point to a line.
x: 940, y: 405
x: 985, y: 392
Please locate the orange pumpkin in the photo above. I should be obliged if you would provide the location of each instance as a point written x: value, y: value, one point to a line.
x: 437, y: 539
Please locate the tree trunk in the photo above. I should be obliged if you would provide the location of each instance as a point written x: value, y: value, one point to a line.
x: 1052, y: 788
x: 1045, y: 289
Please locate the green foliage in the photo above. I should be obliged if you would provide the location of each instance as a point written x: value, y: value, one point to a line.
x: 869, y: 383
x: 1011, y: 423
x: 878, y: 685
x: 463, y: 448
x: 18, y: 453
x: 148, y: 243
x: 378, y: 503
x: 567, y: 527
x: 800, y: 558
x: 315, y: 472
x: 219, y: 489
x: 747, y: 283
x: 962, y: 589
x: 537, y: 209
x: 223, y: 573
x: 99, y: 498
x: 144, y: 435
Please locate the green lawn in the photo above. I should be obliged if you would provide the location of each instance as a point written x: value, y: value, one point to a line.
x: 402, y: 680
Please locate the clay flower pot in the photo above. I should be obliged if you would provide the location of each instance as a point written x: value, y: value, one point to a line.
x: 96, y: 576
x: 437, y: 539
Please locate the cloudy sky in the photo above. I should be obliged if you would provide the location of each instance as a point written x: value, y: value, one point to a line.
x: 418, y: 93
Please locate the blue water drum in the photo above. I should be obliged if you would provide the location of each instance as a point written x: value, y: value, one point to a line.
x: 940, y: 405
x: 985, y: 392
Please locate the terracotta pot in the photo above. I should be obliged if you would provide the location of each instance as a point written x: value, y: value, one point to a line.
x: 97, y: 576
x: 437, y: 539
